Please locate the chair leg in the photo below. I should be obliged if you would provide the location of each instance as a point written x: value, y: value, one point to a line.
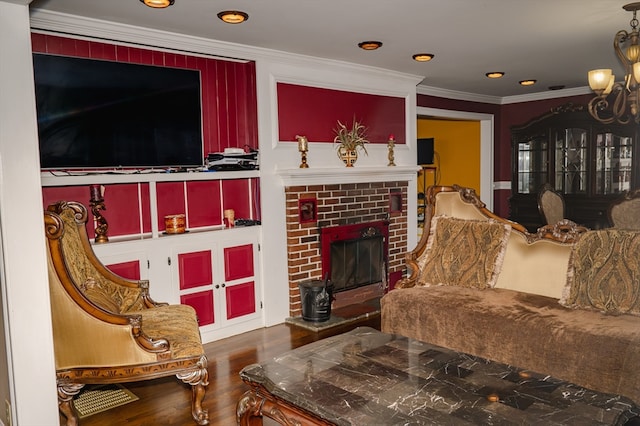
x: 198, y: 378
x: 66, y: 393
x: 200, y: 415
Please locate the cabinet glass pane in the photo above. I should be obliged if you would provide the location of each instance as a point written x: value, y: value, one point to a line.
x: 532, y: 165
x: 613, y: 163
x: 571, y: 161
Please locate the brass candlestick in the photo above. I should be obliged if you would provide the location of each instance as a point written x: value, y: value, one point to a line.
x: 96, y: 202
x: 303, y: 147
x: 390, y: 145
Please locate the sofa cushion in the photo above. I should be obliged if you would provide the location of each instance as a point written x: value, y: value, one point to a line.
x: 605, y: 272
x: 601, y: 352
x: 538, y: 267
x: 176, y: 323
x: 467, y: 253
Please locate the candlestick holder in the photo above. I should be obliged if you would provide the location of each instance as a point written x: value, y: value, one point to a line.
x: 303, y: 147
x: 390, y: 146
x: 96, y: 202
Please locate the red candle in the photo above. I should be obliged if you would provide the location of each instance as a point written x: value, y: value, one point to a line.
x: 391, y: 138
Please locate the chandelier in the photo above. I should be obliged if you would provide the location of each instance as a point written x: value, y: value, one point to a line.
x: 618, y: 101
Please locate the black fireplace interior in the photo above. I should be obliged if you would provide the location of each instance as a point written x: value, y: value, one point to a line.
x: 355, y: 255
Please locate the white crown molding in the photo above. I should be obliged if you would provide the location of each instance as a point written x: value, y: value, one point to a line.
x: 79, y: 26
x: 453, y: 94
x: 474, y: 97
x: 551, y: 94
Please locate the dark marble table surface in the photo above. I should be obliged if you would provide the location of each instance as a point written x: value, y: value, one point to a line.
x: 366, y: 377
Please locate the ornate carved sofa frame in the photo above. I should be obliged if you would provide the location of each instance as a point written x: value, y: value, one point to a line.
x: 107, y: 329
x: 530, y: 313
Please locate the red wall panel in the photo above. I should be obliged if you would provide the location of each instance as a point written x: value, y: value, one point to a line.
x: 121, y: 201
x: 170, y: 197
x: 314, y: 112
x: 204, y: 203
x: 125, y: 219
x: 146, y: 207
x: 235, y: 195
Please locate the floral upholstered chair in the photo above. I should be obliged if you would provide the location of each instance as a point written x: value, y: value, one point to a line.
x: 624, y: 213
x: 107, y: 329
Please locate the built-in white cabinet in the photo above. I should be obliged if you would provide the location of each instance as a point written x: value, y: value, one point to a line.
x: 211, y: 267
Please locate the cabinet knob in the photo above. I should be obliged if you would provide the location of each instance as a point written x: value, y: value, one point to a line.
x: 223, y: 285
x: 217, y: 285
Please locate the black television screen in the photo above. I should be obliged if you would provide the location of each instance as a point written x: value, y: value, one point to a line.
x: 103, y: 114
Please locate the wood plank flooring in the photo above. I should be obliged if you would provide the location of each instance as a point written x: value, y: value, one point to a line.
x: 167, y: 401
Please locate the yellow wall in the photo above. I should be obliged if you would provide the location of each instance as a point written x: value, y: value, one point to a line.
x: 457, y: 147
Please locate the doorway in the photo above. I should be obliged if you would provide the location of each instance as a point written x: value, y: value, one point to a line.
x: 486, y: 144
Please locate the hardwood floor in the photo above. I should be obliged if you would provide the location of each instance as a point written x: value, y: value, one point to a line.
x: 167, y: 401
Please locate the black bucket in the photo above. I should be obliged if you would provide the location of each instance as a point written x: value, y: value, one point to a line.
x: 316, y: 297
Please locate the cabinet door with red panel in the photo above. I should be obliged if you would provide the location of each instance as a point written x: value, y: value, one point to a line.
x: 193, y: 266
x: 240, y: 292
x: 220, y: 280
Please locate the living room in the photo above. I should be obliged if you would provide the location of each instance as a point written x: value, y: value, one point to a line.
x: 32, y: 359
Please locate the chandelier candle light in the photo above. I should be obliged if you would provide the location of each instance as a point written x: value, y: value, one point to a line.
x: 625, y: 94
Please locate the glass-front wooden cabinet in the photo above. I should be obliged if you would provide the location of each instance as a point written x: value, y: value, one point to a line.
x: 590, y: 163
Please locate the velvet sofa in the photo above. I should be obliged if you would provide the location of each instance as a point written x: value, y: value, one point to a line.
x: 564, y: 301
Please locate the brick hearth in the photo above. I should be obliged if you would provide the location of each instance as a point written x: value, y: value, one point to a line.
x: 342, y: 204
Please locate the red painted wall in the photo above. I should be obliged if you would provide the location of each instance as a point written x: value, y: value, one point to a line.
x: 505, y: 116
x: 314, y: 112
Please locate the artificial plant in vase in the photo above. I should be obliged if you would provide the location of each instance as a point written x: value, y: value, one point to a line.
x: 349, y: 141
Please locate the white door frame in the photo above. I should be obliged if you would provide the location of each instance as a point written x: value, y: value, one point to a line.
x: 486, y: 145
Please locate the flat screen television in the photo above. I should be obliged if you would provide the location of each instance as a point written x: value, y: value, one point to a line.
x: 95, y: 114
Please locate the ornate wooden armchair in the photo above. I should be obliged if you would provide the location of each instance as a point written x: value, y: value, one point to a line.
x: 107, y: 329
x: 550, y: 205
x: 624, y: 212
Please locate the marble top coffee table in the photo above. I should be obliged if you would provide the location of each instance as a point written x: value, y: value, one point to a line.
x: 366, y: 377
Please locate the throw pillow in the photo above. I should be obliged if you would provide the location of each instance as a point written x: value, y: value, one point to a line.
x: 604, y: 272
x: 462, y: 252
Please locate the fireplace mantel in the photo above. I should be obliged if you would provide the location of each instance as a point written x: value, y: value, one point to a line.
x: 333, y: 175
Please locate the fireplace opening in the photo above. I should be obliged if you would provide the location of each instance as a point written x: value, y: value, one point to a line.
x: 355, y: 255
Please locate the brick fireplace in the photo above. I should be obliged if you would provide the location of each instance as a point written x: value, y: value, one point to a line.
x: 316, y: 206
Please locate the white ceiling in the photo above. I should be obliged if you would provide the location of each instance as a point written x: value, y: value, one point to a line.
x: 553, y: 41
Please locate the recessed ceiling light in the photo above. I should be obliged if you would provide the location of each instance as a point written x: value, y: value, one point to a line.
x: 158, y: 4
x: 422, y: 57
x: 495, y: 74
x: 527, y: 82
x: 233, y: 16
x: 369, y: 45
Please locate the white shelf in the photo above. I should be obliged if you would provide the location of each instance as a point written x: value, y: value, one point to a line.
x: 356, y: 174
x: 78, y: 178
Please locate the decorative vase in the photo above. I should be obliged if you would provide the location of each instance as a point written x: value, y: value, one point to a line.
x: 348, y: 156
